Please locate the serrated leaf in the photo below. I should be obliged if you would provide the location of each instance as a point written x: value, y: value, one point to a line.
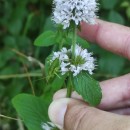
x: 45, y: 39
x: 88, y: 88
x: 32, y: 110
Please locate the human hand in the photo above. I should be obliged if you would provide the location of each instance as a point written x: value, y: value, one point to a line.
x: 74, y: 114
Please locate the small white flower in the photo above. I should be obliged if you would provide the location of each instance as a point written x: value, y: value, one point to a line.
x: 55, y: 55
x: 48, y: 126
x: 63, y: 57
x: 64, y: 50
x: 83, y: 61
x: 66, y: 11
x: 64, y: 68
x: 77, y: 50
x: 75, y: 70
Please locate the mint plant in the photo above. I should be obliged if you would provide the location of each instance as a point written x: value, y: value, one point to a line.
x: 70, y: 65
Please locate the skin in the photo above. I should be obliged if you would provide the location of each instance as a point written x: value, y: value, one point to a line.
x: 116, y: 91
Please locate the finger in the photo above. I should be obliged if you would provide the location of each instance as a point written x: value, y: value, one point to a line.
x: 70, y: 114
x: 111, y: 36
x: 116, y: 93
x: 122, y: 111
x: 63, y: 92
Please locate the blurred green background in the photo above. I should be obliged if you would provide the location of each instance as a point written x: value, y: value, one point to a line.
x: 21, y: 21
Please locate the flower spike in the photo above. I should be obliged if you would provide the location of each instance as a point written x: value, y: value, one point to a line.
x: 66, y: 11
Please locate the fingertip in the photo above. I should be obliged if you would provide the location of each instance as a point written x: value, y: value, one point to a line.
x: 88, y: 31
x: 57, y: 110
x: 63, y: 92
x: 60, y: 94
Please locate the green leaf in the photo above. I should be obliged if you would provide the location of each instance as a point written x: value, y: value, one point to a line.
x: 116, y: 17
x: 88, y: 88
x: 82, y: 42
x: 53, y: 69
x: 32, y: 110
x: 15, y: 26
x: 111, y: 64
x: 5, y: 56
x: 58, y: 82
x: 109, y: 4
x: 45, y: 39
x: 47, y: 64
x: 128, y: 12
x: 125, y: 4
x: 49, y: 25
x: 53, y: 86
x: 10, y: 41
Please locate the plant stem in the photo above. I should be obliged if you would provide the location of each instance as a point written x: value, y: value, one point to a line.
x: 61, y: 44
x: 29, y: 58
x: 29, y: 79
x: 69, y: 87
x: 74, y: 41
x: 20, y: 124
x: 11, y: 118
x: 70, y: 84
x: 20, y: 75
x: 26, y: 28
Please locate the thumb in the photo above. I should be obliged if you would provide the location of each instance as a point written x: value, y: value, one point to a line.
x: 70, y: 114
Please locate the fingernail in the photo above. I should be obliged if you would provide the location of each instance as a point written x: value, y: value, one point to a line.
x: 60, y: 94
x: 57, y: 111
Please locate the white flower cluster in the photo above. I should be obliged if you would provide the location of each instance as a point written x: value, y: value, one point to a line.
x: 48, y: 126
x: 83, y: 61
x: 66, y: 11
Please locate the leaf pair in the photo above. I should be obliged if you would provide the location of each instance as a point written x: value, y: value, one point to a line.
x: 50, y: 38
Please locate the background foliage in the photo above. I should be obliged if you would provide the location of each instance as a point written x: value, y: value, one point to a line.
x: 20, y: 23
